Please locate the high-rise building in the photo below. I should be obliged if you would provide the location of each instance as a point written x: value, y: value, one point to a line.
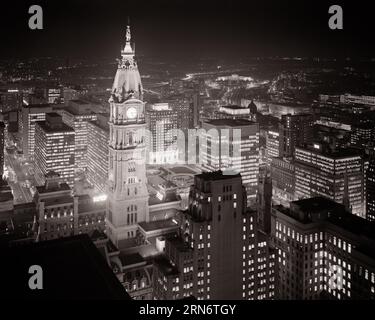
x: 264, y: 201
x: 76, y: 116
x: 2, y: 138
x: 218, y: 253
x: 370, y: 191
x: 10, y: 100
x: 272, y: 145
x: 283, y: 180
x: 232, y: 145
x: 181, y: 104
x: 362, y: 135
x: 127, y: 182
x: 162, y: 138
x: 324, y: 252
x: 97, y: 152
x: 330, y: 174
x: 29, y: 115
x: 294, y: 130
x: 54, y: 148
x: 195, y: 107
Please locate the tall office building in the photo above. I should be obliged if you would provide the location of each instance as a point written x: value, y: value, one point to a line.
x: 232, y: 145
x: 54, y: 148
x: 76, y: 116
x: 97, y: 152
x: 336, y: 175
x: 370, y: 191
x: 2, y: 143
x: 161, y: 122
x: 294, y: 130
x: 264, y: 201
x: 283, y: 180
x: 127, y: 182
x: 324, y: 252
x: 29, y: 115
x: 362, y: 135
x: 181, y: 104
x: 272, y: 145
x: 218, y: 253
x: 195, y: 106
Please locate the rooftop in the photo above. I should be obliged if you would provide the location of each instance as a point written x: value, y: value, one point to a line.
x: 61, y: 187
x: 61, y: 128
x: 157, y: 225
x: 131, y: 258
x: 230, y: 122
x: 216, y: 175
x: 73, y: 269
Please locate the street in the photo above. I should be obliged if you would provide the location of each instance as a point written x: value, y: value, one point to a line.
x: 21, y: 180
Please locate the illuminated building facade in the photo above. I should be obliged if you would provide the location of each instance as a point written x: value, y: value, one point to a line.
x: 54, y: 148
x: 127, y: 182
x: 329, y: 174
x: 283, y: 180
x: 324, y: 252
x: 60, y: 214
x: 29, y: 115
x: 2, y: 137
x: 216, y: 229
x: 181, y: 104
x: 55, y: 208
x: 361, y: 135
x: 272, y: 145
x: 222, y: 137
x: 294, y: 130
x: 97, y: 152
x: 370, y: 191
x: 162, y: 139
x: 77, y: 117
x: 232, y: 112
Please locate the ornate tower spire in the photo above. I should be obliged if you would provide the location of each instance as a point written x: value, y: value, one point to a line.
x: 127, y: 83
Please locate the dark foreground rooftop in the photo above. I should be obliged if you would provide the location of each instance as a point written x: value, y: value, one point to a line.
x: 73, y: 268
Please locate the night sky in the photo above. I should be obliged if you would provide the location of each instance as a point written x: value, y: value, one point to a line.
x: 179, y: 28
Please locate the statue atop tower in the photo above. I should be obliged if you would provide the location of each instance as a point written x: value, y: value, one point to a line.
x: 127, y: 82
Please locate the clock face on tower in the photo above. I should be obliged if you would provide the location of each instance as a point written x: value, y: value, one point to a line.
x: 131, y: 113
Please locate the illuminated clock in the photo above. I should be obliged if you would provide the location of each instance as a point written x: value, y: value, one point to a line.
x: 131, y: 113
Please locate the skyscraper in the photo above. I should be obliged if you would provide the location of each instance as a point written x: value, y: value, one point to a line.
x: 29, y: 115
x: 370, y: 191
x: 162, y: 140
x: 361, y: 135
x: 97, y: 152
x: 2, y: 136
x: 330, y: 174
x: 272, y: 145
x: 127, y: 183
x: 76, y: 116
x: 323, y: 251
x: 222, y: 138
x: 54, y: 148
x: 294, y: 130
x: 219, y: 253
